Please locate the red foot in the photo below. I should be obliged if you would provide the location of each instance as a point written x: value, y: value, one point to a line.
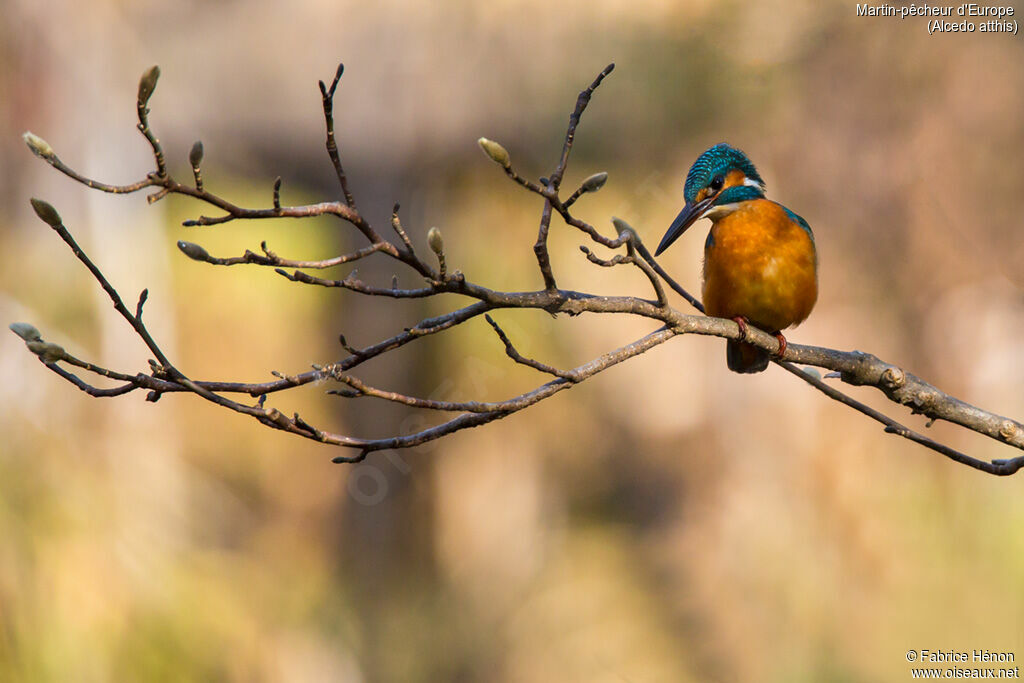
x: 742, y: 322
x: 782, y: 345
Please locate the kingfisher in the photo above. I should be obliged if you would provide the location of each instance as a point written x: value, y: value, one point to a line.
x: 760, y: 263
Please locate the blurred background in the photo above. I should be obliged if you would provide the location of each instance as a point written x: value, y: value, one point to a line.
x: 665, y: 521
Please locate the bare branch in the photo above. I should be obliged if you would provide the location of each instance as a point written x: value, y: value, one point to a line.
x: 149, y: 181
x: 95, y: 392
x: 574, y: 119
x: 998, y: 467
x: 195, y: 159
x: 540, y: 248
x: 332, y: 145
x: 482, y: 413
x: 646, y: 255
x: 863, y: 369
x: 396, y: 224
x: 269, y: 258
x: 510, y: 350
x: 146, y: 86
x: 354, y: 284
x: 591, y: 184
x: 853, y: 367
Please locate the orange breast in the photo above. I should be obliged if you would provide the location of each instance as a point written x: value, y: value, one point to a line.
x: 760, y: 264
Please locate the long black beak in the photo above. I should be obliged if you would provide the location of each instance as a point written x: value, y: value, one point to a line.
x: 687, y: 217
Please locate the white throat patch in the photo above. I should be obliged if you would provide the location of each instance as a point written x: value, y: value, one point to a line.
x: 720, y: 211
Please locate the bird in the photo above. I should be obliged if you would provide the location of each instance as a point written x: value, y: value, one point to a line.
x: 760, y: 260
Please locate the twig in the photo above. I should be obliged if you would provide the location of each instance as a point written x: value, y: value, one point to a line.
x: 396, y: 224
x: 146, y: 86
x: 332, y: 145
x: 998, y: 467
x: 574, y: 119
x: 95, y: 392
x: 268, y: 258
x: 540, y: 248
x: 512, y: 353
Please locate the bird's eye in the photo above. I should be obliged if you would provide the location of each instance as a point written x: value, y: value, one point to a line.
x: 716, y: 183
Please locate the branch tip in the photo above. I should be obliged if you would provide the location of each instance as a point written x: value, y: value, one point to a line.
x: 46, y: 212
x: 40, y: 147
x: 195, y: 155
x: 594, y: 182
x: 345, y: 459
x: 26, y: 331
x: 195, y: 158
x: 147, y: 84
x: 194, y: 251
x: 163, y: 192
x: 496, y: 152
x: 435, y: 241
x: 622, y: 226
x: 143, y: 296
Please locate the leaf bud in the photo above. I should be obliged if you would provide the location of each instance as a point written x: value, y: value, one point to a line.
x: 435, y: 241
x: 148, y: 83
x: 496, y: 152
x: 39, y: 146
x: 26, y: 331
x: 594, y: 182
x: 195, y: 157
x: 622, y: 226
x: 46, y: 212
x: 47, y: 351
x: 193, y: 251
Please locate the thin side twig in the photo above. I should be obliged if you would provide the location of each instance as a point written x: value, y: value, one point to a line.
x: 332, y: 144
x: 574, y: 119
x: 511, y: 352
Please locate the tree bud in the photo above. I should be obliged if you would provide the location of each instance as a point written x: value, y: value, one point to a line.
x: 193, y: 251
x: 148, y: 83
x: 496, y: 152
x: 622, y: 226
x: 594, y: 182
x: 48, y: 351
x: 46, y: 212
x: 39, y: 146
x: 195, y: 157
x: 435, y: 241
x: 26, y: 331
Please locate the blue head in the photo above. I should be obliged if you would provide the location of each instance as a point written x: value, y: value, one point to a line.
x: 721, y: 176
x: 712, y: 169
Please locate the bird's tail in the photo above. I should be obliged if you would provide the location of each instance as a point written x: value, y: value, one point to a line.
x: 745, y: 358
